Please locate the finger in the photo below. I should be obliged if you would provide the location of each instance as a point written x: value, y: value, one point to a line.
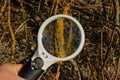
x: 8, y: 76
x: 16, y: 68
x: 13, y: 68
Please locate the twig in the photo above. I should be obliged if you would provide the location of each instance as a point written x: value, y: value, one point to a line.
x: 76, y: 67
x: 114, y: 71
x: 56, y: 7
x: 39, y: 6
x: 4, y: 6
x: 46, y: 2
x: 107, y: 72
x: 108, y: 51
x: 102, y: 52
x: 118, y: 69
x: 23, y: 2
x: 58, y: 71
x: 59, y: 34
x: 117, y: 12
x: 92, y: 69
x: 97, y: 16
x: 53, y: 5
x: 118, y: 64
x: 24, y: 16
x: 90, y: 6
x: 11, y: 31
x: 2, y: 37
x: 21, y: 28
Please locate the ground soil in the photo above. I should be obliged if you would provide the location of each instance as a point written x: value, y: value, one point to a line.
x: 99, y: 59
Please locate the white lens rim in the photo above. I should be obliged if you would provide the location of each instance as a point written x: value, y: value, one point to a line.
x: 41, y: 48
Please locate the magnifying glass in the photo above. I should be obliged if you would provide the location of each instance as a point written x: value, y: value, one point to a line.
x: 60, y: 38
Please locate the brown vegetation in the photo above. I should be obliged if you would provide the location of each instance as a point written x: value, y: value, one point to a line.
x: 100, y: 58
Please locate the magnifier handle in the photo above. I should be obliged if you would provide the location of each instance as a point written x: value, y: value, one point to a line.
x: 30, y: 74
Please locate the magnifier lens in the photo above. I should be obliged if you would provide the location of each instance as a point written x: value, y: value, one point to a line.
x: 61, y: 37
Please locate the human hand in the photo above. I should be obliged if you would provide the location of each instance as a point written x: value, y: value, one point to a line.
x: 10, y: 72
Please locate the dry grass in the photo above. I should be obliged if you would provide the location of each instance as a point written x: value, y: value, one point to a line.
x: 99, y: 60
